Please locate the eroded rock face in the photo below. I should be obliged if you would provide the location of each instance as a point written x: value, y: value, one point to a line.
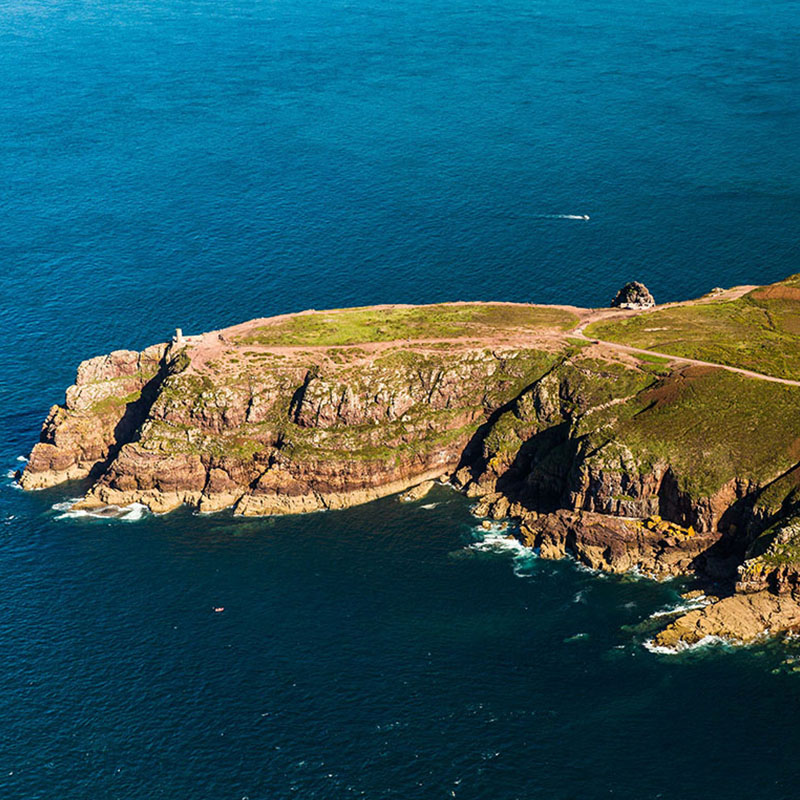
x: 633, y: 295
x: 617, y: 544
x: 595, y: 452
x: 110, y: 398
x: 269, y: 434
x: 773, y: 562
x: 740, y: 618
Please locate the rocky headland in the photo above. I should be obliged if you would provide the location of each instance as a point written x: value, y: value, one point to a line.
x: 663, y: 440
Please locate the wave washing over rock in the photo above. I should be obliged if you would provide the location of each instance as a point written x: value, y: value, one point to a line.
x: 635, y: 440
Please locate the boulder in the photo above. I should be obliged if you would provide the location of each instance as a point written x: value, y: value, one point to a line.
x: 633, y: 295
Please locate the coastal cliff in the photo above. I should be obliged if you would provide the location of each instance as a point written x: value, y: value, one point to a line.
x: 664, y: 441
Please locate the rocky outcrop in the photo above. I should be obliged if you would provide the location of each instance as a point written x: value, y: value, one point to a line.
x: 633, y: 295
x: 617, y: 544
x: 624, y: 463
x: 773, y: 561
x: 417, y: 492
x: 108, y: 402
x: 740, y: 618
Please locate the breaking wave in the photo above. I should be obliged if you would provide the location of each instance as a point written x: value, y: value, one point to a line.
x: 12, y: 481
x: 683, y: 647
x: 681, y: 608
x: 497, y: 539
x: 131, y: 513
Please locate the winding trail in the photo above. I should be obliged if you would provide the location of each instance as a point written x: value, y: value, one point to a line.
x: 728, y: 294
x: 578, y: 333
x: 212, y: 344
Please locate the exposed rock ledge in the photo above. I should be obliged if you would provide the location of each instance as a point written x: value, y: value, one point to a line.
x: 624, y: 461
x: 737, y: 619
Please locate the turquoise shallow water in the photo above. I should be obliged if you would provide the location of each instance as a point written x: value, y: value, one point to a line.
x: 198, y: 164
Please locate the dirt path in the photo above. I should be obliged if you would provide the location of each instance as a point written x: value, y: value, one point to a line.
x: 728, y: 294
x: 578, y: 333
x: 213, y: 344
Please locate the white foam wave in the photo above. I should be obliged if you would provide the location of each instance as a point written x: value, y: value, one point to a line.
x: 134, y: 511
x: 496, y: 539
x: 576, y: 637
x: 681, y: 608
x: 130, y: 513
x: 591, y: 570
x: 11, y: 475
x: 684, y: 647
x: 499, y: 541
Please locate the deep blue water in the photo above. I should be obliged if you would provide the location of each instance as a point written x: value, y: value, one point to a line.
x: 200, y: 163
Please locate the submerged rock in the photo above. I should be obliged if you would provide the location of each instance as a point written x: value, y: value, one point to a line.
x: 633, y: 295
x: 417, y: 492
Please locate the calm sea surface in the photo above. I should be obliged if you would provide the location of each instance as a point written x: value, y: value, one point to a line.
x: 195, y: 163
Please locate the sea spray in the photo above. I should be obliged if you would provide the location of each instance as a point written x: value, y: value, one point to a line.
x: 683, y: 647
x: 129, y: 513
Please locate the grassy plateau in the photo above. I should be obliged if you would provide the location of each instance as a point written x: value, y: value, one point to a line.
x: 759, y: 331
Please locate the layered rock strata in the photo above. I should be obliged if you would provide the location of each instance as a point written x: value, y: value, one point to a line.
x: 624, y: 461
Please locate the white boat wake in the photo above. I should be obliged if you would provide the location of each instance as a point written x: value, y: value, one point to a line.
x: 582, y: 217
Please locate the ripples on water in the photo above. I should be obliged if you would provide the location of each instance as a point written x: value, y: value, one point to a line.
x: 389, y: 649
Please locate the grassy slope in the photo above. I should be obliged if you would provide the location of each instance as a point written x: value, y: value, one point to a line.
x: 712, y: 425
x: 444, y: 321
x: 759, y: 331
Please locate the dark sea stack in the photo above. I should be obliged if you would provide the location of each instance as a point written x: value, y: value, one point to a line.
x: 633, y: 295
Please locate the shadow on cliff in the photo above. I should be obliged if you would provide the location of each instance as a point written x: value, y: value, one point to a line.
x: 743, y: 522
x: 127, y: 429
x: 538, y: 476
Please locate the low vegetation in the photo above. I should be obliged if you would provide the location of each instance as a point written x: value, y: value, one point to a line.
x: 711, y: 424
x: 444, y: 321
x: 759, y: 331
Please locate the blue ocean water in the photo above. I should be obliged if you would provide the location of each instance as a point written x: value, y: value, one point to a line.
x: 195, y: 164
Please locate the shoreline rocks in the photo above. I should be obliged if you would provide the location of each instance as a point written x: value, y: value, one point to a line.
x: 595, y: 452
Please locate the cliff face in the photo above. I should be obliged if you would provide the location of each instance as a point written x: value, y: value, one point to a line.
x: 224, y: 422
x: 309, y: 432
x: 104, y: 408
x: 626, y: 460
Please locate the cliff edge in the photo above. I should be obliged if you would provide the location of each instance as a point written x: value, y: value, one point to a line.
x: 664, y: 440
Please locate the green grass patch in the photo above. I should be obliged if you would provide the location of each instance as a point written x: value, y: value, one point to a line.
x: 759, y: 331
x: 114, y: 402
x: 648, y: 358
x: 444, y: 321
